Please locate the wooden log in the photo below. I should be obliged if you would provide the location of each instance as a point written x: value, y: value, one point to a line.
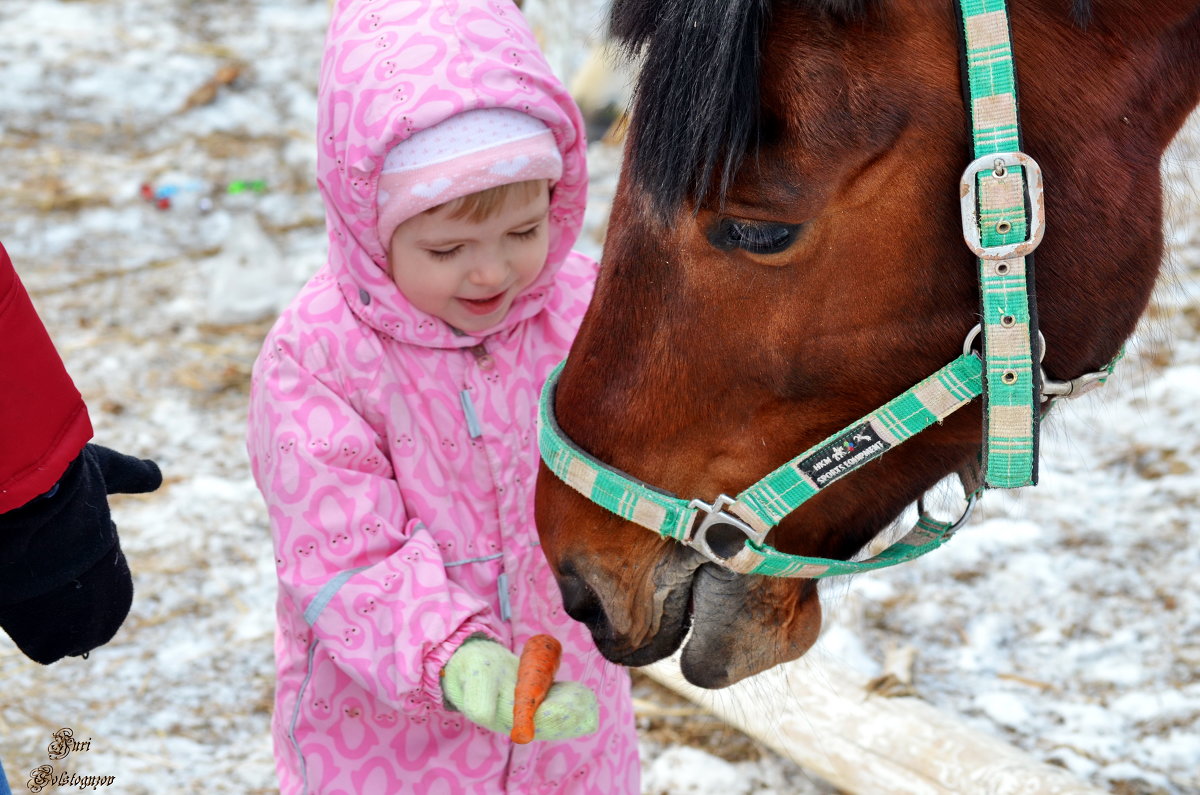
x: 823, y: 718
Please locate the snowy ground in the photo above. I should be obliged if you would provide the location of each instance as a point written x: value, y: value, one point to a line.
x: 1065, y: 618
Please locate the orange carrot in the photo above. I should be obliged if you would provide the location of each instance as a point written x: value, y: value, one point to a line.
x: 535, y: 673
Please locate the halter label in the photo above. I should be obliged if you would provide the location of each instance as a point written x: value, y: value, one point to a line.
x: 843, y: 454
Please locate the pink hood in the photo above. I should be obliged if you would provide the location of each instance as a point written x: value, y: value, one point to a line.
x: 426, y: 61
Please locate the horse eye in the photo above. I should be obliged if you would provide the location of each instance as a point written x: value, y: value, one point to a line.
x: 756, y: 238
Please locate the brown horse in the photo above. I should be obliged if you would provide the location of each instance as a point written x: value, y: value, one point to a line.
x: 785, y: 254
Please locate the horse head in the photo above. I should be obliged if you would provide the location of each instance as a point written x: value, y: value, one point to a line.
x: 785, y: 254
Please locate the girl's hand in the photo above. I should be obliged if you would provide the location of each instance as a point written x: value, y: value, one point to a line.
x: 480, y: 681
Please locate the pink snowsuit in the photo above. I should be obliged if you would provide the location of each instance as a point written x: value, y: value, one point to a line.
x: 398, y: 457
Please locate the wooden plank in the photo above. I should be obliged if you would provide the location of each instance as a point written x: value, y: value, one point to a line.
x: 822, y: 717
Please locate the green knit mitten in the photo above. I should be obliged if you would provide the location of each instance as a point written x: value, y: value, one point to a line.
x: 479, y: 681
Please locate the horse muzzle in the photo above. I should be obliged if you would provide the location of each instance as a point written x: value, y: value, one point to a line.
x: 721, y: 621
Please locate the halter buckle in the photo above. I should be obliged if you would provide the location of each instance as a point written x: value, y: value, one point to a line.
x: 1035, y: 204
x: 715, y: 514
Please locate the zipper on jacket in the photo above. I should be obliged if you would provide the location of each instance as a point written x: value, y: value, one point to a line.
x: 468, y: 408
x: 505, y: 604
x: 484, y: 361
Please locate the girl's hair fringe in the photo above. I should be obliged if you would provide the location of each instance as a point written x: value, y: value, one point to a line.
x: 478, y: 207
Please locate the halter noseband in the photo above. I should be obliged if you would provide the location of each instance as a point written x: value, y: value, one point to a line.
x: 1003, y: 219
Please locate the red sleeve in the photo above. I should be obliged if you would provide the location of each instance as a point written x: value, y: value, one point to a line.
x: 43, y: 421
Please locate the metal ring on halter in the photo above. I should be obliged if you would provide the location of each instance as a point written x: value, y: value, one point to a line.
x: 969, y: 343
x: 714, y: 515
x: 972, y: 498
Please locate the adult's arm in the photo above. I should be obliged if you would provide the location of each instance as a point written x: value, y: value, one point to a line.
x: 43, y: 421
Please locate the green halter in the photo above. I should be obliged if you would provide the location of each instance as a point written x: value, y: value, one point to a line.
x: 1003, y: 216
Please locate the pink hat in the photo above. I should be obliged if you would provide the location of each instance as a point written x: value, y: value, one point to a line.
x: 467, y: 153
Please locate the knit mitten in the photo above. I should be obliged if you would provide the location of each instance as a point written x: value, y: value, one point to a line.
x: 480, y: 680
x: 65, y: 586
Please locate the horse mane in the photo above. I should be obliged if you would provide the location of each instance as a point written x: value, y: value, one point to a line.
x: 697, y: 95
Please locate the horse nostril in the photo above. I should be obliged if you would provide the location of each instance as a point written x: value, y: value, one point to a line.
x: 580, y: 602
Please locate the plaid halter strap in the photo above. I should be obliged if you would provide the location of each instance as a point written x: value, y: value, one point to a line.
x: 1003, y: 220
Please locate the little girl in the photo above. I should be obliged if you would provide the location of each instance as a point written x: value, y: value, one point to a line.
x: 392, y: 421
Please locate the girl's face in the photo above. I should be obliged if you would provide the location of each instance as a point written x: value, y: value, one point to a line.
x: 468, y: 272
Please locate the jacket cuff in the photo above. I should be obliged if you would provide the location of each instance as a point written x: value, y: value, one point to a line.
x: 435, y: 661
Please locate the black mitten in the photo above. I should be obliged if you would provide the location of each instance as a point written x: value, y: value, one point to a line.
x: 65, y: 586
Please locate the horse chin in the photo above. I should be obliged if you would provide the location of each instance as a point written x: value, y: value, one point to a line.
x: 745, y: 625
